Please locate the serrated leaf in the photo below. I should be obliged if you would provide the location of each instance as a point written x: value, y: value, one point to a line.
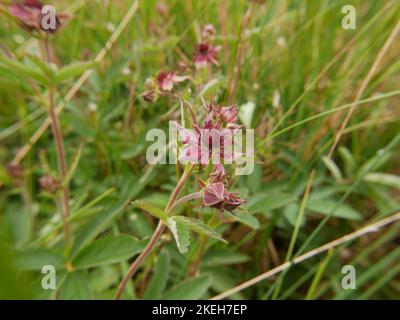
x: 199, y: 226
x: 158, y: 213
x: 107, y: 251
x: 190, y: 289
x: 180, y: 232
x: 73, y: 70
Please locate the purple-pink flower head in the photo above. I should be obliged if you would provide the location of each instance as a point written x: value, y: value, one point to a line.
x: 222, y: 115
x: 205, y: 54
x: 207, y: 144
x: 218, y: 197
x: 29, y: 15
x: 166, y: 80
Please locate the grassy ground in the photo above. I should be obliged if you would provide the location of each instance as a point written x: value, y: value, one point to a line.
x: 324, y: 103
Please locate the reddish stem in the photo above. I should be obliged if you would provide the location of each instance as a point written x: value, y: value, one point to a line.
x: 155, y: 237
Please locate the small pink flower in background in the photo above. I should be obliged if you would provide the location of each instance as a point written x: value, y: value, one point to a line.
x: 29, y: 15
x: 208, y: 32
x: 205, y: 54
x: 166, y: 80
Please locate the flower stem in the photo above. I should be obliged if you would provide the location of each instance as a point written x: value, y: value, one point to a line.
x: 156, y: 235
x: 58, y: 140
x: 55, y: 127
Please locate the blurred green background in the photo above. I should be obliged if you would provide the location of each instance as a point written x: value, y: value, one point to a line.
x: 290, y: 68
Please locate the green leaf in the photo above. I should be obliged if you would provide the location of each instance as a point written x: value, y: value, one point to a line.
x: 35, y: 259
x: 74, y: 165
x: 211, y: 88
x: 17, y: 222
x: 220, y: 257
x: 108, y: 250
x: 386, y: 179
x: 199, y: 226
x: 267, y: 201
x: 291, y: 213
x: 190, y: 289
x: 48, y: 69
x: 103, y: 278
x: 23, y: 70
x: 333, y: 168
x: 223, y: 281
x: 247, y: 219
x: 326, y: 206
x: 73, y: 70
x: 160, y: 277
x: 348, y: 160
x: 180, y: 232
x: 102, y: 220
x: 76, y: 287
x: 158, y: 213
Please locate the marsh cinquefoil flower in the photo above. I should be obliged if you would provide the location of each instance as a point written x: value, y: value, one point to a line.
x: 166, y: 80
x: 29, y: 15
x: 217, y: 196
x: 208, y: 142
x: 205, y: 54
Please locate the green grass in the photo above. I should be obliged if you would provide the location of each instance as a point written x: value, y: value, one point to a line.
x: 294, y: 50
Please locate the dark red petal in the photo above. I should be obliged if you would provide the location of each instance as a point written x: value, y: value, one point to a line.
x: 213, y: 194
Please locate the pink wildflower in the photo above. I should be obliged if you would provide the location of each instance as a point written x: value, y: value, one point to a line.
x: 166, y: 80
x: 205, y: 54
x: 29, y: 15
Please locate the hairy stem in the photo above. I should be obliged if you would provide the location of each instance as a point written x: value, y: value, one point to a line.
x: 156, y: 235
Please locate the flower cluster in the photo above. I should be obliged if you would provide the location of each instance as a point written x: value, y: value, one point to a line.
x: 205, y: 54
x: 217, y: 196
x: 210, y: 142
x: 213, y: 142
